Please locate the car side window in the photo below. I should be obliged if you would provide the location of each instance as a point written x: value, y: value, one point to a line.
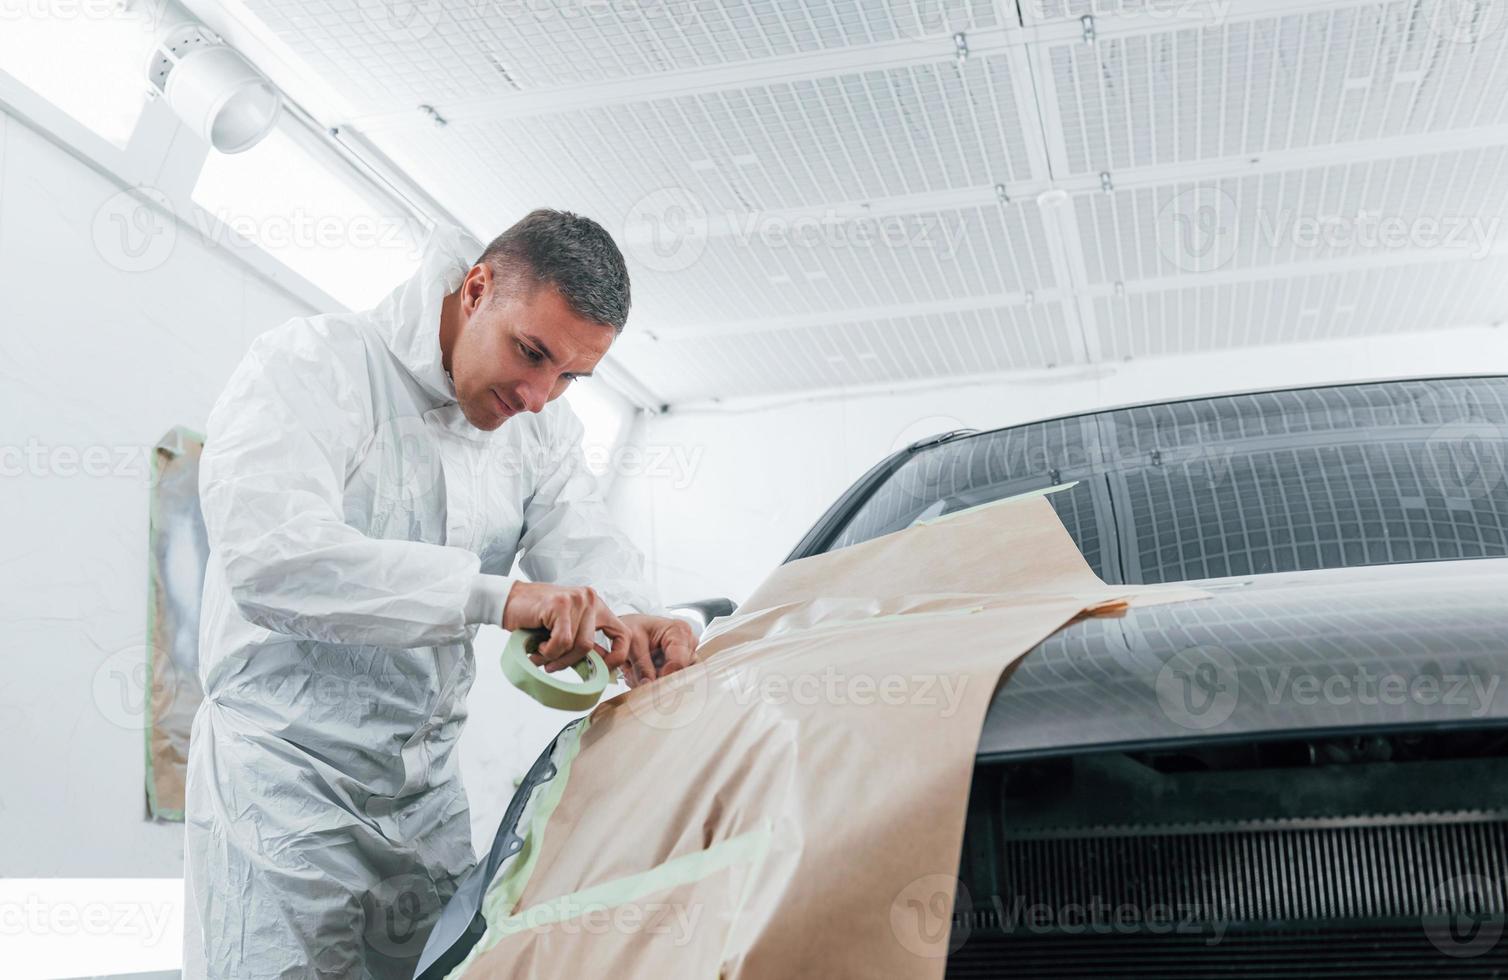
x: 1244, y: 484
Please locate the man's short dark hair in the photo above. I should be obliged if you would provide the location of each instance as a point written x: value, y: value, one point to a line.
x: 576, y: 255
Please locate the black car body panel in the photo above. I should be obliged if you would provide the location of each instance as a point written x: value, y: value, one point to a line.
x: 1318, y: 651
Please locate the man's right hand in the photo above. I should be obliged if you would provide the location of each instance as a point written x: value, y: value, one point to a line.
x: 573, y: 614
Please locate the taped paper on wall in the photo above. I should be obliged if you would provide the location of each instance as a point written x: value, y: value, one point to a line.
x: 178, y: 551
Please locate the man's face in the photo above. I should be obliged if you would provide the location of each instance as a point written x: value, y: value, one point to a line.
x: 519, y: 347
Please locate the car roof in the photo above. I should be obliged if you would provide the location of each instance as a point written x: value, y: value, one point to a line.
x: 1154, y: 402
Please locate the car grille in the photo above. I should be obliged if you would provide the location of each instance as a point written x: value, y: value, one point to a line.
x: 1342, y: 898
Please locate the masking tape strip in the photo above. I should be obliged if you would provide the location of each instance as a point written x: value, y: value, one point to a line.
x: 1044, y: 491
x: 542, y: 687
x: 503, y: 894
x: 747, y: 848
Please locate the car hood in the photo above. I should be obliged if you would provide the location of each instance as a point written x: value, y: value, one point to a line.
x: 1314, y: 652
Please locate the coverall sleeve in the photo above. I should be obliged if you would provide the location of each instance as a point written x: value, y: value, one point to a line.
x: 569, y: 537
x: 278, y: 447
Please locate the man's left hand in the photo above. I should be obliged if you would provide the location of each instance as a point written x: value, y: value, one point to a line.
x: 671, y: 643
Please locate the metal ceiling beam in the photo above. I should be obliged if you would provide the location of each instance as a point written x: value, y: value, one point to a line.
x: 1031, y: 376
x: 1024, y: 192
x: 1085, y: 293
x: 819, y: 320
x: 927, y: 49
x: 1059, y: 219
x: 747, y: 224
x: 1168, y: 15
x: 1278, y: 161
x: 1384, y: 258
x: 677, y: 84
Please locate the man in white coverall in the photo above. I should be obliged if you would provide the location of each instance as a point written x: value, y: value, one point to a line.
x: 366, y: 481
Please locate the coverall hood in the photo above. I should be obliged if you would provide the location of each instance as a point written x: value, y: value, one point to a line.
x: 408, y: 318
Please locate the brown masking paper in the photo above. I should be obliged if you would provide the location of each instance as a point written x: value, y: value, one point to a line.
x: 177, y: 555
x: 793, y: 804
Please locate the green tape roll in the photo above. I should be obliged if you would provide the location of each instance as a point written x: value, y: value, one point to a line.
x: 546, y: 688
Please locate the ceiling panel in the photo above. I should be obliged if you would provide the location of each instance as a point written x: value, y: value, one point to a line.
x: 1046, y: 11
x: 1311, y: 79
x: 907, y: 131
x: 387, y: 53
x: 1302, y: 308
x: 810, y: 193
x: 901, y: 349
x: 925, y: 258
x: 1453, y: 204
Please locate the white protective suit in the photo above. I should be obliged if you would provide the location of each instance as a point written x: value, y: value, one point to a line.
x: 360, y: 529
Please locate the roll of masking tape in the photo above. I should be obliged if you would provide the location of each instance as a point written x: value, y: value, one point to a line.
x: 546, y: 688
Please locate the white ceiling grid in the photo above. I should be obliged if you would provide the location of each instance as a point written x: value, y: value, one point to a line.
x: 1030, y: 189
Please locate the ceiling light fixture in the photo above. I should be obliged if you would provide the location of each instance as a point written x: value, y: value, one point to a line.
x: 213, y: 88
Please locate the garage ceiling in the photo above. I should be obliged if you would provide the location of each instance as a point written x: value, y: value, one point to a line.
x: 822, y: 195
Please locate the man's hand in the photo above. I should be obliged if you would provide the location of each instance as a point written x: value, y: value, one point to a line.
x: 573, y: 614
x: 667, y: 643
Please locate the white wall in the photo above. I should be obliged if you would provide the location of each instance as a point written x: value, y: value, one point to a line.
x: 92, y: 356
x: 736, y: 490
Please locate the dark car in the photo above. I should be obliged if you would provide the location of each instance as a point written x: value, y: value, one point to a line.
x: 1305, y: 775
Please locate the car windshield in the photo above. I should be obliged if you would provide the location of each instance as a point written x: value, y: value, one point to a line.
x: 1243, y: 484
